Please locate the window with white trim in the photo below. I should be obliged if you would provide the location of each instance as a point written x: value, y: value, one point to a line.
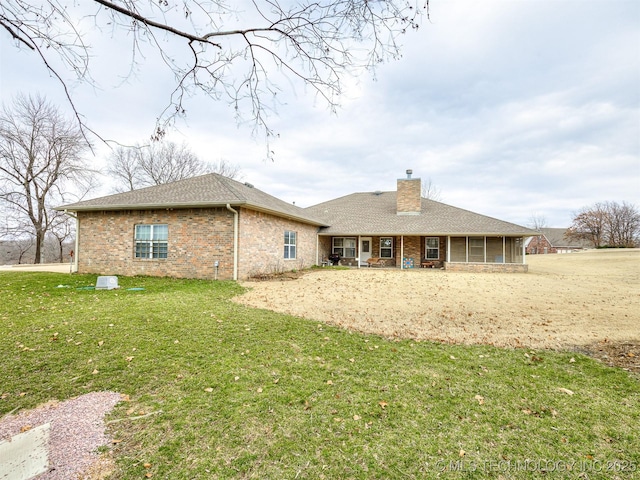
x: 386, y: 247
x: 151, y: 241
x: 432, y: 248
x: 344, y: 246
x: 476, y: 249
x: 289, y: 245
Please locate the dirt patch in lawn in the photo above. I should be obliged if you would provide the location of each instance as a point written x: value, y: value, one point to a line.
x: 589, y: 301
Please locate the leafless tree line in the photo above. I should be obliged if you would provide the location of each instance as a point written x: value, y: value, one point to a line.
x: 607, y: 224
x: 161, y: 162
x: 42, y: 166
x: 21, y: 250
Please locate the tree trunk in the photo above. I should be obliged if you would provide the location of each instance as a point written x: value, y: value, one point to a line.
x: 39, y: 242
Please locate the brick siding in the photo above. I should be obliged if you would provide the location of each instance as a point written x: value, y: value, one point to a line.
x: 540, y: 245
x: 487, y: 267
x: 409, y: 196
x: 261, y: 244
x: 197, y: 239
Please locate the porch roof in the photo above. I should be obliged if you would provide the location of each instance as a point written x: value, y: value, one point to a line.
x: 374, y: 213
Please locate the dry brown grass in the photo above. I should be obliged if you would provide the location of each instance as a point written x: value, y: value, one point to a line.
x: 565, y: 301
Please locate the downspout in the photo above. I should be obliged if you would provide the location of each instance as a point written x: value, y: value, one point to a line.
x: 235, y: 241
x: 77, y: 243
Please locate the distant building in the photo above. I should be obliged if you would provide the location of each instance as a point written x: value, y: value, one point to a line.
x: 553, y: 240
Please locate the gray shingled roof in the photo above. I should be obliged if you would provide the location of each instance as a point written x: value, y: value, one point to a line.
x: 374, y: 213
x: 211, y: 190
x: 556, y: 237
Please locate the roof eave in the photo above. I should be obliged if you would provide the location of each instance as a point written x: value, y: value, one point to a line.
x: 144, y: 206
x: 173, y: 206
x: 431, y: 234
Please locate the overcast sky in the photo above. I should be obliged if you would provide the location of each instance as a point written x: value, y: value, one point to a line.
x: 510, y: 108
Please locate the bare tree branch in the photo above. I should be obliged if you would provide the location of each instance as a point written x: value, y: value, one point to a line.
x: 430, y: 191
x: 233, y: 52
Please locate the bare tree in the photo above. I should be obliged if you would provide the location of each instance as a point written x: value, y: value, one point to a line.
x: 123, y: 168
x: 167, y: 162
x: 537, y: 222
x: 238, y: 51
x: 62, y: 231
x: 40, y: 164
x: 589, y: 224
x: 607, y: 224
x: 159, y: 163
x: 622, y: 224
x: 16, y: 236
x: 226, y: 169
x: 430, y: 191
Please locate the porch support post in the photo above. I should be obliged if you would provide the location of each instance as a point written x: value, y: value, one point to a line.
x: 524, y: 252
x: 401, y: 252
x: 359, y: 252
x: 485, y: 249
x: 448, y: 256
x: 466, y: 249
x: 504, y: 249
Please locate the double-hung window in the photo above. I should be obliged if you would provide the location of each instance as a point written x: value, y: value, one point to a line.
x: 289, y: 245
x: 386, y: 247
x: 345, y: 247
x: 151, y: 241
x: 432, y: 248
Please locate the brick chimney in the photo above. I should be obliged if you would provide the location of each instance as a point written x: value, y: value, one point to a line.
x: 409, y: 195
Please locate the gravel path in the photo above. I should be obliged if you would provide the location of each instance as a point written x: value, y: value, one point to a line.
x: 77, y: 430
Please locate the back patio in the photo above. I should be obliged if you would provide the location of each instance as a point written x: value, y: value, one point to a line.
x: 401, y: 229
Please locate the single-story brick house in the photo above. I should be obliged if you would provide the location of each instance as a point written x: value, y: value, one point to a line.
x: 213, y: 227
x: 553, y: 240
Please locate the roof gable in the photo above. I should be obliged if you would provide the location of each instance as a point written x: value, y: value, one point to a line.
x: 557, y: 238
x: 210, y: 190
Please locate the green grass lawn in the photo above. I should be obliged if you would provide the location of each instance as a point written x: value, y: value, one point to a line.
x: 218, y: 390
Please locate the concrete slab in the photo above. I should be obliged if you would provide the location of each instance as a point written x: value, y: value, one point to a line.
x: 26, y: 454
x: 42, y: 267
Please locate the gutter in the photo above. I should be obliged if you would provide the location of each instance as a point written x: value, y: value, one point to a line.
x: 168, y: 206
x: 235, y: 241
x: 77, y: 243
